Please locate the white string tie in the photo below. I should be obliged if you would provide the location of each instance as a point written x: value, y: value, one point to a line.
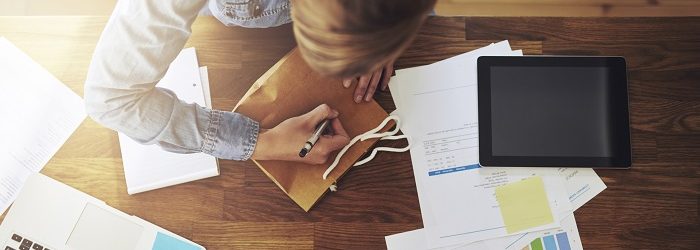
x: 389, y: 135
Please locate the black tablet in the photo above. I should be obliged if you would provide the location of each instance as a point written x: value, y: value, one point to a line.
x: 542, y: 111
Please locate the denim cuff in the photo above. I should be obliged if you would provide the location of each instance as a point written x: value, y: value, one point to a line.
x: 230, y: 136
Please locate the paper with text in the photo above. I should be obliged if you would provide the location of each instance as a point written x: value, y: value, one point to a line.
x: 582, y: 185
x: 446, y: 155
x: 566, y: 237
x: 39, y: 113
x: 457, y: 203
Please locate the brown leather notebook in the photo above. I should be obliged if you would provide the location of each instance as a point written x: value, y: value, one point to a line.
x: 290, y: 88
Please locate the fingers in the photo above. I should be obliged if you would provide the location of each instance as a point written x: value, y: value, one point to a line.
x: 328, y: 144
x: 388, y: 71
x: 367, y: 84
x: 347, y: 82
x: 338, y: 128
x: 376, y: 77
x: 324, y: 148
x: 361, y: 88
x: 320, y: 113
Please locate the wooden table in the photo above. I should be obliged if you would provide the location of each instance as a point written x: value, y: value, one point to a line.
x: 652, y: 206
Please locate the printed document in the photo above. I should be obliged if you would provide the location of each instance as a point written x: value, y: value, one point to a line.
x: 457, y: 203
x: 582, y: 185
x: 566, y: 237
x: 438, y: 105
x: 39, y: 113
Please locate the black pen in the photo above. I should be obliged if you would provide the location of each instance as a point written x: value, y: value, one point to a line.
x: 314, y: 138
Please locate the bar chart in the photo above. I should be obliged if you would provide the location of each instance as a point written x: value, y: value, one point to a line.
x: 559, y: 241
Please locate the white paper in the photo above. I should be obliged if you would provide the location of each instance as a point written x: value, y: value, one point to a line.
x: 39, y: 113
x: 416, y: 239
x: 12, y: 179
x: 582, y: 184
x: 445, y: 158
x: 148, y: 167
x: 204, y: 76
x: 464, y: 207
x: 568, y: 229
x: 411, y: 240
x: 457, y: 203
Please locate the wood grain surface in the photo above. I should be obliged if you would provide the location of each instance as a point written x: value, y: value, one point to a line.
x: 652, y: 206
x: 611, y: 8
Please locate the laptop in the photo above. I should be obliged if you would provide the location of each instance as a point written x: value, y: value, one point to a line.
x: 49, y: 215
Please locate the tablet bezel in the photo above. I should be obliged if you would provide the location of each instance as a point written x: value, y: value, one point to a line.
x: 620, y: 108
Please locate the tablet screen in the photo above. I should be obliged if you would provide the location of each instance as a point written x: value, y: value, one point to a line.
x: 553, y: 111
x: 550, y: 111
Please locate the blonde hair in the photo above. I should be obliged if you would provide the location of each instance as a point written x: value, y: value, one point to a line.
x: 346, y: 38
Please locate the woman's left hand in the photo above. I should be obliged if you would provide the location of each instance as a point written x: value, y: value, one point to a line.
x: 367, y: 84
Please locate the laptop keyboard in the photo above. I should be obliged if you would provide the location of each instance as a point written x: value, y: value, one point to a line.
x: 18, y: 242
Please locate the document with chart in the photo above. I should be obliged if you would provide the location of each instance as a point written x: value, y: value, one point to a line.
x: 458, y: 203
x: 565, y: 237
x: 582, y: 185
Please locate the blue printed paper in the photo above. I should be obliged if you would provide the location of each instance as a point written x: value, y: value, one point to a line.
x: 167, y: 242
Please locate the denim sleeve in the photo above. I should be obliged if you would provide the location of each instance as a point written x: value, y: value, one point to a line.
x: 230, y: 135
x: 134, y: 51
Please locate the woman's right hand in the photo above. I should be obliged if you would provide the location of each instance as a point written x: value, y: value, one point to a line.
x: 284, y: 141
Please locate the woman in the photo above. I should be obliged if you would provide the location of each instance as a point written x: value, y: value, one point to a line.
x: 357, y: 40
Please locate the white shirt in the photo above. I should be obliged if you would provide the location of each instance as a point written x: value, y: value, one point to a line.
x: 137, y: 45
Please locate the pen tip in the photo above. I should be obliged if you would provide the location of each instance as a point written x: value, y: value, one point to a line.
x: 303, y: 152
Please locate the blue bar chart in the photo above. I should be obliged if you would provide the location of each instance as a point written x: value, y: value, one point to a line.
x: 559, y: 241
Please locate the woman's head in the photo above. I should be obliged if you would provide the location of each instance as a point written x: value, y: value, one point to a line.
x: 346, y: 38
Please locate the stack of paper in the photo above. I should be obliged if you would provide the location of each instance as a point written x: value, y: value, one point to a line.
x: 464, y: 206
x: 148, y: 167
x: 38, y: 113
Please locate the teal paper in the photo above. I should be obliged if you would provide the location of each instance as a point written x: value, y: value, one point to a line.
x: 167, y: 242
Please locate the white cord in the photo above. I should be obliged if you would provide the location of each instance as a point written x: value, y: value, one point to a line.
x: 389, y: 135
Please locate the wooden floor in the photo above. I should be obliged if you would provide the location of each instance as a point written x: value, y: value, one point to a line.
x: 573, y: 8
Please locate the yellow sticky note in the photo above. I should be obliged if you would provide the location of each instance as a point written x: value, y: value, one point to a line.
x: 524, y: 204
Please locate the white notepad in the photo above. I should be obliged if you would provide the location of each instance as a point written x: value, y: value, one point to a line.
x: 148, y: 167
